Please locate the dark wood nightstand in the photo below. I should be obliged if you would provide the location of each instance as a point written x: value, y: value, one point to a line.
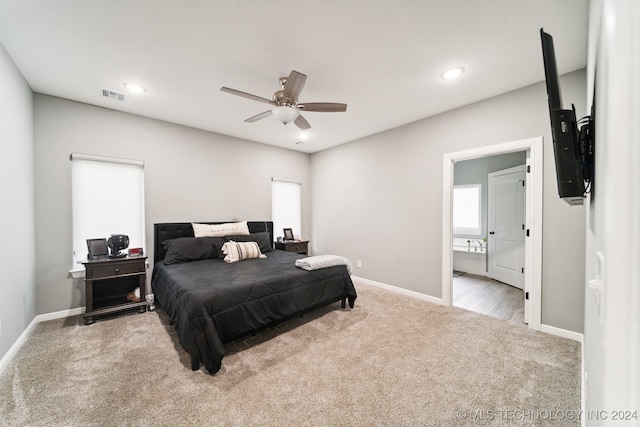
x: 109, y: 280
x: 296, y: 246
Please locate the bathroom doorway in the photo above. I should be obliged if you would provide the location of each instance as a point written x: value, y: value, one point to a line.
x: 532, y: 149
x: 488, y: 235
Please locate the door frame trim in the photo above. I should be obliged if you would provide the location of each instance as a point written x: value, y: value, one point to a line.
x: 533, y: 219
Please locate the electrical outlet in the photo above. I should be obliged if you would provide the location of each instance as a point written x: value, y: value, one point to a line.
x: 359, y: 264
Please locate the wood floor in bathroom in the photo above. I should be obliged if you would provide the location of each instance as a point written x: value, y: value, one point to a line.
x: 487, y: 296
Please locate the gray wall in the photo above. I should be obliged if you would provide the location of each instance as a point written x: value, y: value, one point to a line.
x: 379, y: 199
x: 190, y: 175
x: 477, y: 171
x: 17, y: 237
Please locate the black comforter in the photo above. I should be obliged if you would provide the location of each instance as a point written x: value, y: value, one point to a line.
x: 211, y: 302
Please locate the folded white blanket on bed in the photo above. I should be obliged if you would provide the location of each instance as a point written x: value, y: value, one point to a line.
x: 322, y: 261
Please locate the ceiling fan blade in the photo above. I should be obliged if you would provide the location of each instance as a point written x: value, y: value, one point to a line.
x: 247, y: 95
x: 302, y: 123
x: 258, y: 117
x: 324, y: 107
x: 294, y: 85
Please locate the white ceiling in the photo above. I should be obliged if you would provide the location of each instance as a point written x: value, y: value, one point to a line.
x: 382, y: 58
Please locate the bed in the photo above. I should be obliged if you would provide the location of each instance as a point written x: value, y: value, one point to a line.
x: 211, y: 302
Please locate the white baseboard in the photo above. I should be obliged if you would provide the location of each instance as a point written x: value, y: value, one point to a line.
x: 576, y: 336
x: 60, y: 314
x: 16, y: 345
x: 25, y: 334
x: 398, y: 290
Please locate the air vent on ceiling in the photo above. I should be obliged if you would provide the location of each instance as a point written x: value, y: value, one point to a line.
x: 113, y: 94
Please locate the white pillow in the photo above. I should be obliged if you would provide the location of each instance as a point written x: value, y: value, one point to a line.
x: 237, y: 251
x: 318, y: 262
x: 220, y: 230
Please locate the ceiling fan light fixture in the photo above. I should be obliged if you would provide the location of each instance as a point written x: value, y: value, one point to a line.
x: 452, y: 73
x: 284, y: 104
x: 285, y: 114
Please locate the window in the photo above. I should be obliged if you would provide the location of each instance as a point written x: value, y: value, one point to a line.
x: 285, y: 206
x: 108, y: 198
x: 467, y: 209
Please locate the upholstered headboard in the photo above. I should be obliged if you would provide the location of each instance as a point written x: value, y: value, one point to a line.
x: 172, y: 230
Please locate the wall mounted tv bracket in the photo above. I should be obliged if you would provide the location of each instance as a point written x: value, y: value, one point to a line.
x: 586, y: 150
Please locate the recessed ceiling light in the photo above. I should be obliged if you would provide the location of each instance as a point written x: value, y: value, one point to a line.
x: 134, y: 88
x: 303, y: 136
x: 452, y: 73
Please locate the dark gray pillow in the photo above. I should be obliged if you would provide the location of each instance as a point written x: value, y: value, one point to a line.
x: 186, y: 249
x: 262, y: 238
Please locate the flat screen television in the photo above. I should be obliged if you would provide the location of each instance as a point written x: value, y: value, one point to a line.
x: 571, y: 145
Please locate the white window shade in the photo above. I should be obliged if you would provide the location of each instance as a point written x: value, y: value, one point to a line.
x: 108, y: 198
x: 285, y: 206
x: 467, y: 209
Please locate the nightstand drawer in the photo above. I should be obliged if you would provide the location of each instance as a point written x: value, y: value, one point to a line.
x: 299, y: 247
x: 116, y: 270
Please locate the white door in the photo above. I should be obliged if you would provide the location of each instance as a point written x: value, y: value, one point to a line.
x: 506, y: 209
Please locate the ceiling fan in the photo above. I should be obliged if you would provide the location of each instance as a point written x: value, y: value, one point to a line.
x: 286, y: 108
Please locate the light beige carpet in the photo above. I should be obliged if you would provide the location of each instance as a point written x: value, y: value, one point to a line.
x: 391, y: 361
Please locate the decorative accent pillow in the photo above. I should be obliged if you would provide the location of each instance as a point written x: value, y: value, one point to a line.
x: 262, y: 238
x: 186, y: 249
x: 220, y: 230
x: 238, y: 251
